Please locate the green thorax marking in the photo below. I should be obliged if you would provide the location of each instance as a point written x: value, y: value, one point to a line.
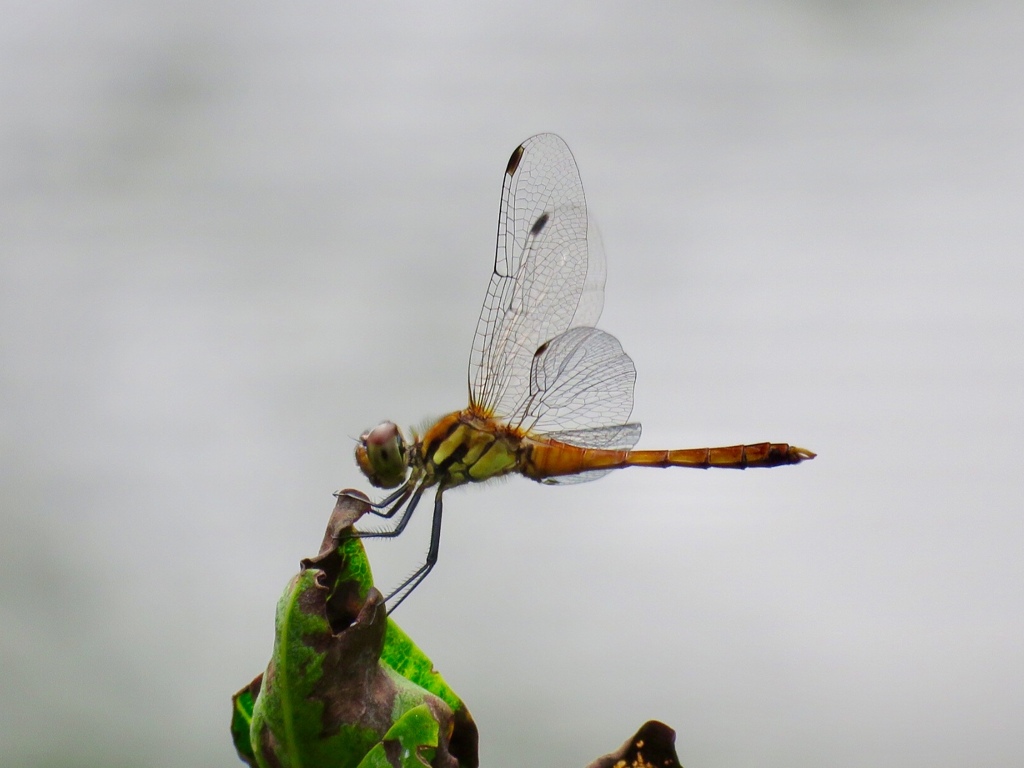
x: 462, y: 448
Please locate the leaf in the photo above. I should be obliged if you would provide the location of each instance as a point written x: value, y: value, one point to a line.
x: 347, y: 688
x: 403, y: 656
x: 653, y: 746
x: 344, y: 682
x: 241, y: 719
x: 411, y: 742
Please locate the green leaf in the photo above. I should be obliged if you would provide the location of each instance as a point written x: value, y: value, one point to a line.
x: 411, y: 742
x: 241, y: 719
x: 347, y: 688
x: 403, y: 656
x: 344, y: 682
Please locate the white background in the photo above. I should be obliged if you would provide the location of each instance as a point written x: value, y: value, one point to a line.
x: 234, y: 235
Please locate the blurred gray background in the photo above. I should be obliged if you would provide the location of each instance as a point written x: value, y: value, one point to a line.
x: 234, y: 235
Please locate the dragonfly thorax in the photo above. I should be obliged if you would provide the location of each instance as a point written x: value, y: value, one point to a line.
x: 381, y: 455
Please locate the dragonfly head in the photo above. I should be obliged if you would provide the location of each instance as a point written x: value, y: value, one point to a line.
x: 381, y: 455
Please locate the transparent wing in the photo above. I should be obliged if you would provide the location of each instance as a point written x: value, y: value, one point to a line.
x: 581, y: 377
x: 581, y: 386
x: 546, y: 277
x: 580, y: 477
x: 621, y: 437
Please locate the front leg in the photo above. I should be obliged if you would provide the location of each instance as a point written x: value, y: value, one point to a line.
x: 397, y: 502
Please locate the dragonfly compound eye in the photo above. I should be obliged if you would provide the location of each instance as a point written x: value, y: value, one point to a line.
x: 380, y: 454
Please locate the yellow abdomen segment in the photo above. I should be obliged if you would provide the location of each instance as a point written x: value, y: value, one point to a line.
x: 553, y: 459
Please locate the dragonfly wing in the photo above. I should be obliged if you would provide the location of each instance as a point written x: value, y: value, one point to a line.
x: 621, y: 437
x: 591, y: 303
x: 545, y: 279
x: 579, y: 380
x: 579, y: 477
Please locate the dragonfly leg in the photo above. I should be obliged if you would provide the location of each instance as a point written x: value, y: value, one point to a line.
x: 413, y: 497
x: 406, y: 587
x: 387, y: 506
x: 396, y: 501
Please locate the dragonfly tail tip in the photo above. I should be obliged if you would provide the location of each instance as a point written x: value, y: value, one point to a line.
x: 800, y: 454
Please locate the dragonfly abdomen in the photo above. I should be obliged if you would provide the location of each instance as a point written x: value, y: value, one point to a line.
x: 728, y: 457
x: 554, y: 459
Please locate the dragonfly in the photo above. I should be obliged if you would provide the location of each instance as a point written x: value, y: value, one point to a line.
x: 550, y: 394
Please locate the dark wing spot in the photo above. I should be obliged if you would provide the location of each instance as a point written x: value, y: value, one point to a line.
x: 542, y: 348
x: 540, y: 223
x: 513, y: 162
